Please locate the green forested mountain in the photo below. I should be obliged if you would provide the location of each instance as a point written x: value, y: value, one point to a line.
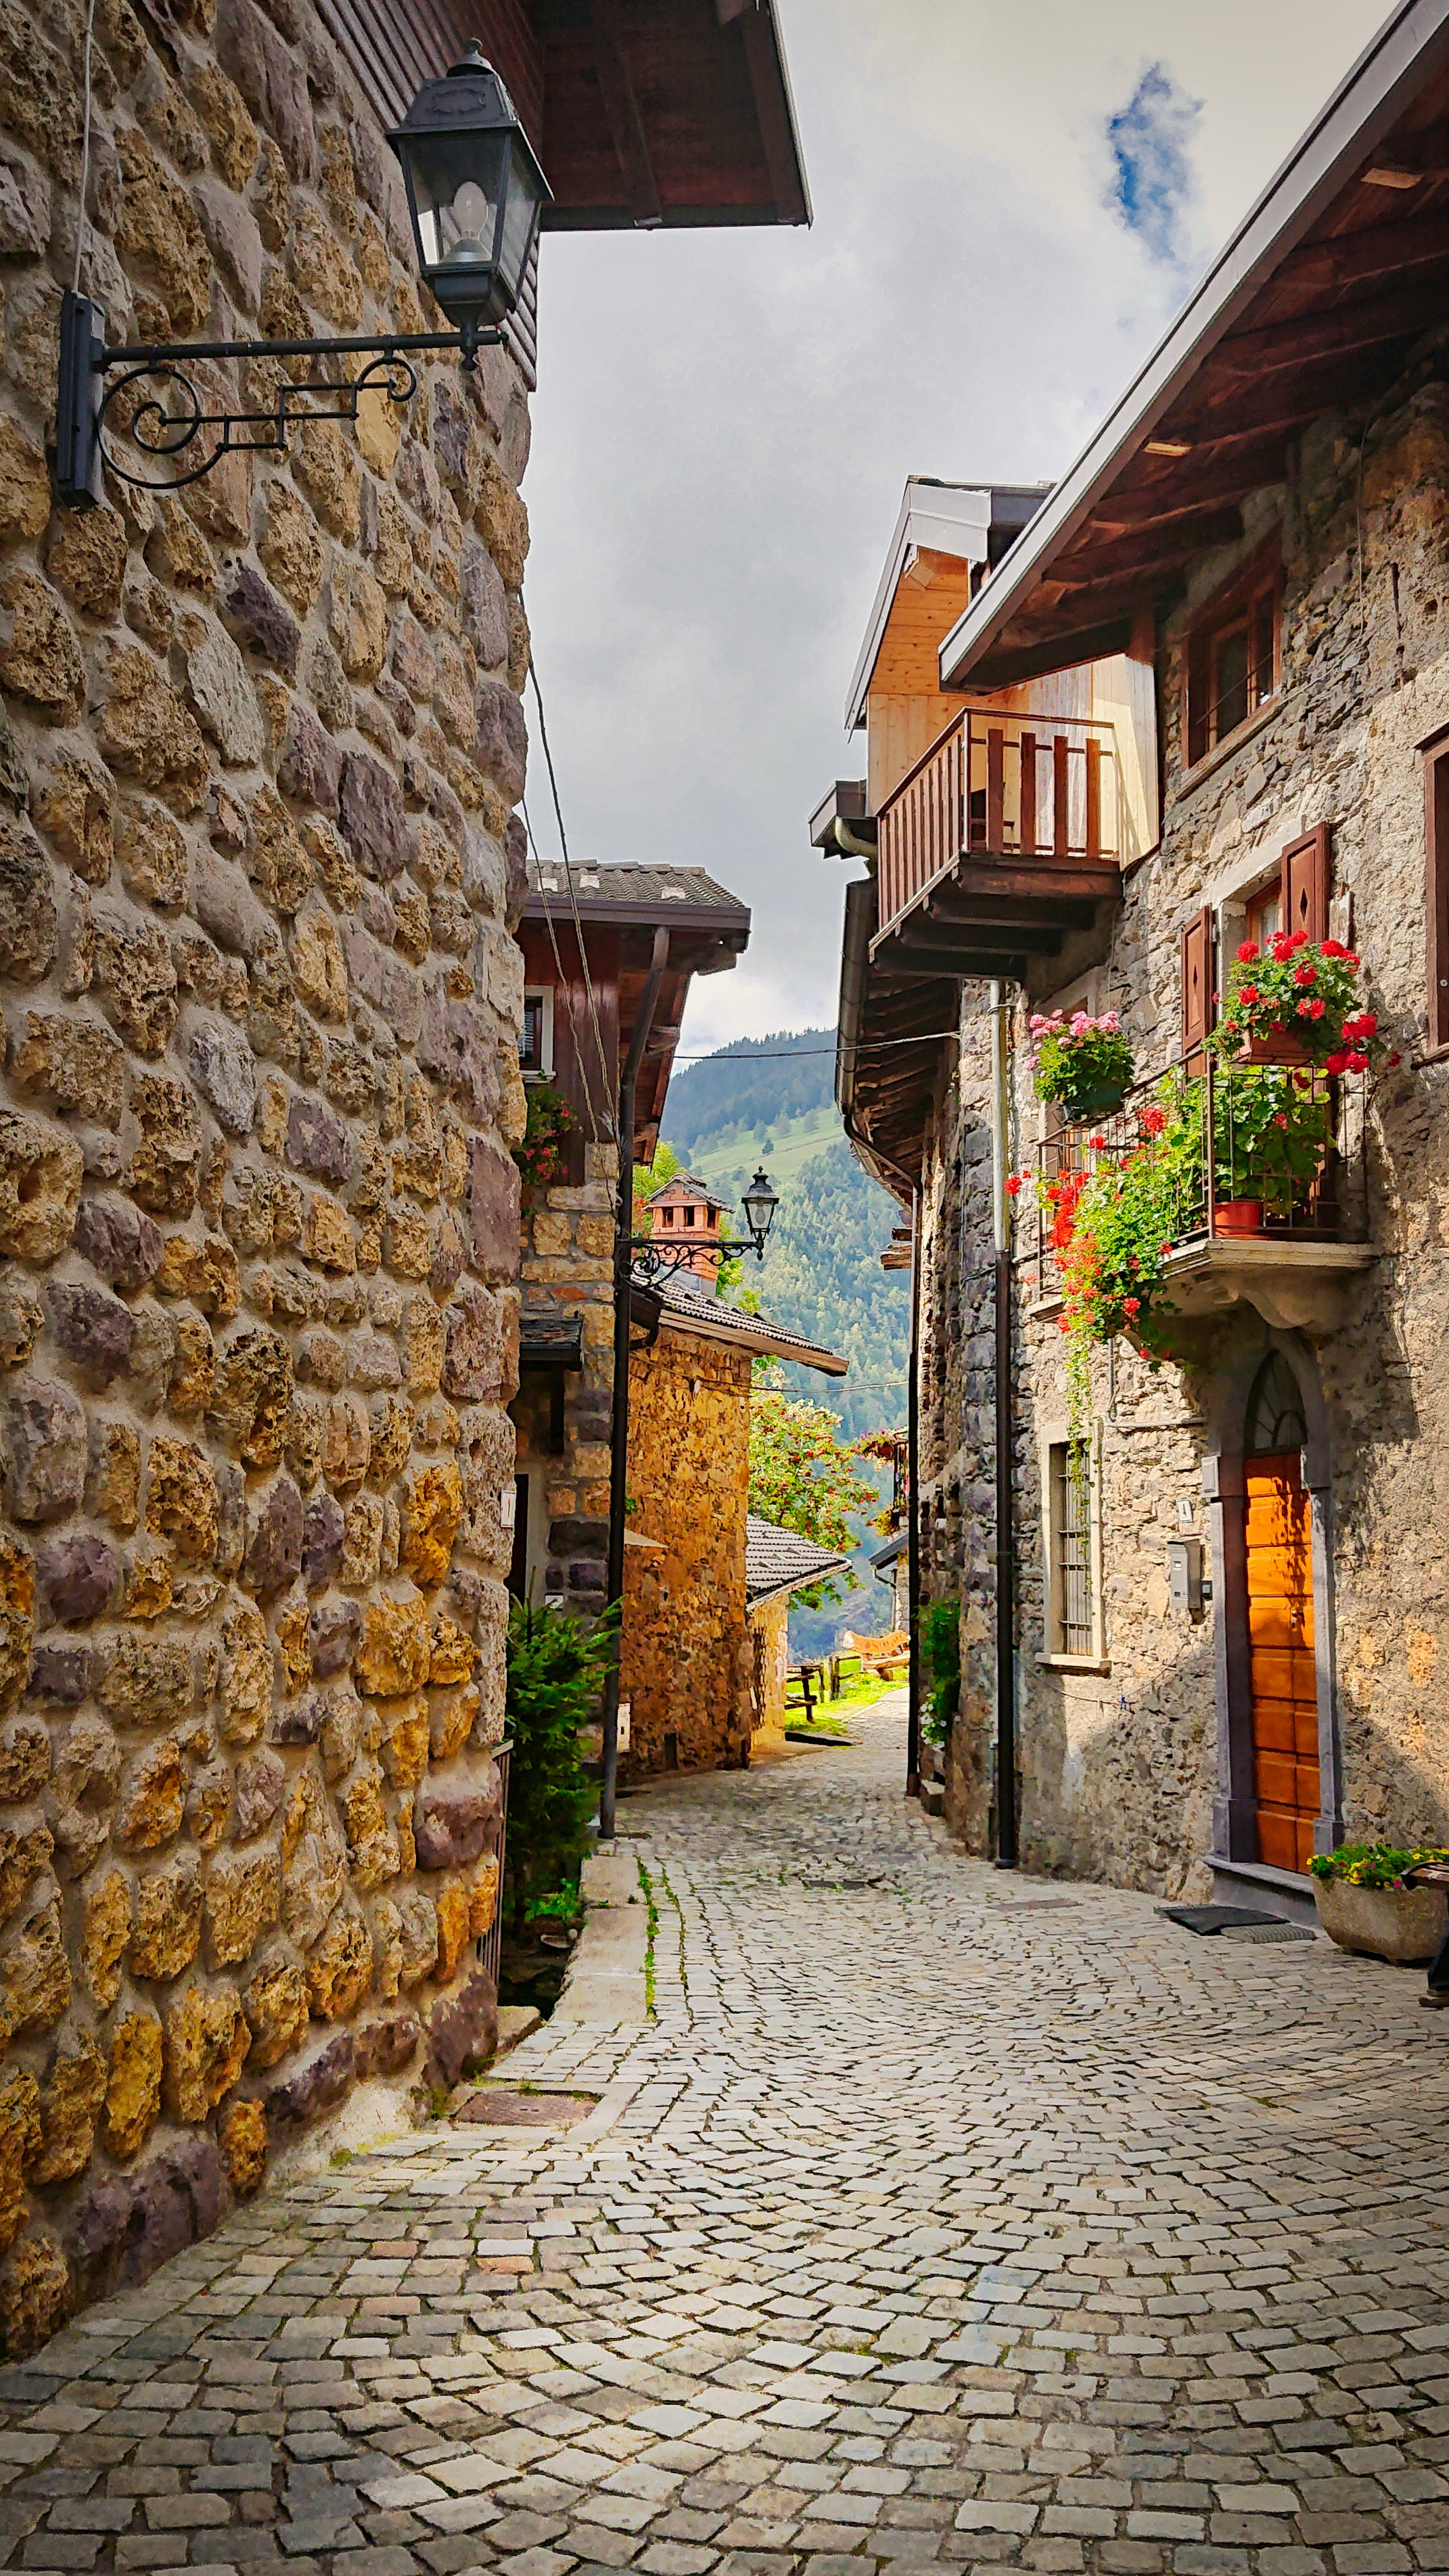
x: 771, y: 1100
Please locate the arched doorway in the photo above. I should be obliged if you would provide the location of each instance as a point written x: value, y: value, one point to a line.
x: 1283, y: 1675
x: 1268, y: 1487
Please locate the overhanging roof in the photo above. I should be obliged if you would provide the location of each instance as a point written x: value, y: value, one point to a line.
x: 642, y: 112
x: 779, y: 1561
x: 1310, y: 308
x: 690, y: 1307
x: 952, y: 520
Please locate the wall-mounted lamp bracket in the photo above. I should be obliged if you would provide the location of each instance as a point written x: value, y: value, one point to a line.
x: 190, y: 439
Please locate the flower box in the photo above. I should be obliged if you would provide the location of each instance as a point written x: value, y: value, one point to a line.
x: 1403, y: 1924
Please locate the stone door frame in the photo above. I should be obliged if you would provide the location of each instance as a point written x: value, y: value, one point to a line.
x: 1235, y: 1822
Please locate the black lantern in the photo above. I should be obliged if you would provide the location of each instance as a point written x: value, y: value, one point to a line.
x: 475, y: 191
x: 759, y: 1204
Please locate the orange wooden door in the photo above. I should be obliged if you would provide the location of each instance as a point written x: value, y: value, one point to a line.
x: 1285, y: 1683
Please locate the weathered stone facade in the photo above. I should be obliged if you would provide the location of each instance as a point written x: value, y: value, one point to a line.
x: 563, y: 1413
x: 685, y: 1659
x: 1120, y: 1759
x: 258, y: 1214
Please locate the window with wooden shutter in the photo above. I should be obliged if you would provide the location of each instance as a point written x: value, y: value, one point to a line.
x: 1233, y: 656
x: 1197, y: 986
x: 1305, y: 884
x: 1436, y: 889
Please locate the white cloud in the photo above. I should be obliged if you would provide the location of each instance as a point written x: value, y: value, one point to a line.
x: 725, y: 420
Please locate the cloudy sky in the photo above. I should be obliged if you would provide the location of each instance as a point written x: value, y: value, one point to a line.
x: 1010, y: 202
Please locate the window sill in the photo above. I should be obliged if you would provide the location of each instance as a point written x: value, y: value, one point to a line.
x: 1238, y: 740
x: 1073, y: 1664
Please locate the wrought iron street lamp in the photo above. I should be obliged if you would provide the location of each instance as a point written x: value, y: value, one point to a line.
x: 759, y: 1204
x: 475, y: 191
x: 475, y: 194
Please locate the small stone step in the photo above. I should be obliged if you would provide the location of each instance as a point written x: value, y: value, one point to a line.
x: 515, y: 2021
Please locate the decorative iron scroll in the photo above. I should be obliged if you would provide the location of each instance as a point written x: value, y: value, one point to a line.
x: 193, y: 438
x: 168, y: 436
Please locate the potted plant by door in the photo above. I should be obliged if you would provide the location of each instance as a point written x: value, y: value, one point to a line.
x: 1085, y: 1065
x: 1365, y: 1904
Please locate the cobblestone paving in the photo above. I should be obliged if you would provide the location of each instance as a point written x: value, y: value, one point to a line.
x: 951, y: 2219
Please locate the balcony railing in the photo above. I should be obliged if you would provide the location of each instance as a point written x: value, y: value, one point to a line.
x: 1041, y: 787
x: 1217, y: 1116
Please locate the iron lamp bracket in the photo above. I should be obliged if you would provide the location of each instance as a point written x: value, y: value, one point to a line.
x: 168, y: 418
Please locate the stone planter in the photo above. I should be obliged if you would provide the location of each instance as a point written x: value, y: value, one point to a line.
x: 1402, y: 1924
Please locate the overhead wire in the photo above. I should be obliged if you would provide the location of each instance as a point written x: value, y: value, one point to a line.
x: 569, y: 884
x: 566, y: 985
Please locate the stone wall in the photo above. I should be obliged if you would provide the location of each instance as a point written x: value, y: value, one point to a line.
x: 1119, y: 1766
x: 568, y: 1272
x: 258, y: 1215
x: 685, y: 1662
x: 769, y: 1648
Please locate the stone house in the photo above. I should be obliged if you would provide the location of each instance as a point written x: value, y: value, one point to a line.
x: 778, y: 1564
x: 260, y: 873
x: 587, y: 938
x: 1203, y: 1634
x: 686, y: 1663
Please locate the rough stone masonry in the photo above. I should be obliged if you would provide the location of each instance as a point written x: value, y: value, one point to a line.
x: 258, y: 1215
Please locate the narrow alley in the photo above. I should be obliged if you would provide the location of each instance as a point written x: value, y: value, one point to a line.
x: 925, y: 2215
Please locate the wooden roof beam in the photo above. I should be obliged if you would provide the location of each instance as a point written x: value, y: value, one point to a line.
x: 1317, y: 336
x: 621, y: 107
x: 1379, y: 250
x: 1192, y: 484
x: 1117, y: 557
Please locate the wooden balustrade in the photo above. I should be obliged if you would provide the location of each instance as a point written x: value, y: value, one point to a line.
x: 1001, y: 786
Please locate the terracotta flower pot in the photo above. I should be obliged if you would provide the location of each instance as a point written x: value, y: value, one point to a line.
x: 1403, y: 1924
x: 1238, y: 1216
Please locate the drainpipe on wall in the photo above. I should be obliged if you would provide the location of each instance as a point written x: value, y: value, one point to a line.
x: 619, y: 1425
x: 1006, y: 1846
x: 913, y: 1510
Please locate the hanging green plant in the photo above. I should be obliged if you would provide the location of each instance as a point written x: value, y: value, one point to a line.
x: 541, y: 1150
x: 1083, y: 1064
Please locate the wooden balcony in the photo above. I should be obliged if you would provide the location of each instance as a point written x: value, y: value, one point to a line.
x: 1007, y: 836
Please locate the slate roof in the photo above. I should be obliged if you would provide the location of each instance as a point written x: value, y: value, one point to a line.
x: 779, y: 1560
x: 607, y: 889
x: 688, y: 1188
x: 691, y: 1305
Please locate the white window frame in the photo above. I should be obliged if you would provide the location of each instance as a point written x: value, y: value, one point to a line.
x: 1056, y: 1435
x: 543, y: 1071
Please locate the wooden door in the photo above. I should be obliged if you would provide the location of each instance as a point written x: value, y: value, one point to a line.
x: 1284, y: 1675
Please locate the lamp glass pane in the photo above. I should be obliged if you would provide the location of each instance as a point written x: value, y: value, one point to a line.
x: 457, y: 181
x: 520, y: 217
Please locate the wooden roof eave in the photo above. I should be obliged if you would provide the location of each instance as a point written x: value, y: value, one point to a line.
x: 1380, y: 88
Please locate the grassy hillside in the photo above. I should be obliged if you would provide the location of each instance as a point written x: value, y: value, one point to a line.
x: 770, y: 1100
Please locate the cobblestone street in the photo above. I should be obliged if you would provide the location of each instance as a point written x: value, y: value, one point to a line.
x: 931, y: 2216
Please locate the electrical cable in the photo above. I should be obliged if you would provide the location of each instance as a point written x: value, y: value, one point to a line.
x: 569, y: 881
x: 85, y: 168
x: 565, y: 986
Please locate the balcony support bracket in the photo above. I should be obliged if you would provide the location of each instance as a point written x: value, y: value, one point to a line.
x: 1295, y: 1287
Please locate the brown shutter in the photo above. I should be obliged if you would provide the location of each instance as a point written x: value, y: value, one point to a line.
x: 1436, y: 891
x: 1197, y: 984
x: 1305, y: 884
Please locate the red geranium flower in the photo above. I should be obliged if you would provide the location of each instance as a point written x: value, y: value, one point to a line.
x: 1299, y: 939
x: 1332, y: 948
x: 1249, y: 953
x: 1247, y: 992
x: 1339, y: 1061
x: 1305, y: 974
x: 1396, y: 1058
x: 1013, y: 1185
x: 1152, y: 1121
x: 1279, y: 1118
x: 1131, y: 1305
x: 1282, y: 947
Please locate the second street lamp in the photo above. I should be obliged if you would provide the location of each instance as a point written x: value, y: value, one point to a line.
x: 475, y: 191
x: 759, y: 1203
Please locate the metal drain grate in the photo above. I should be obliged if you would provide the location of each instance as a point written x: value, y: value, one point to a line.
x: 1268, y: 1932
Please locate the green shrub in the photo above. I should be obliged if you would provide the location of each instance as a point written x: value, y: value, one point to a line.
x: 939, y: 1630
x: 556, y: 1669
